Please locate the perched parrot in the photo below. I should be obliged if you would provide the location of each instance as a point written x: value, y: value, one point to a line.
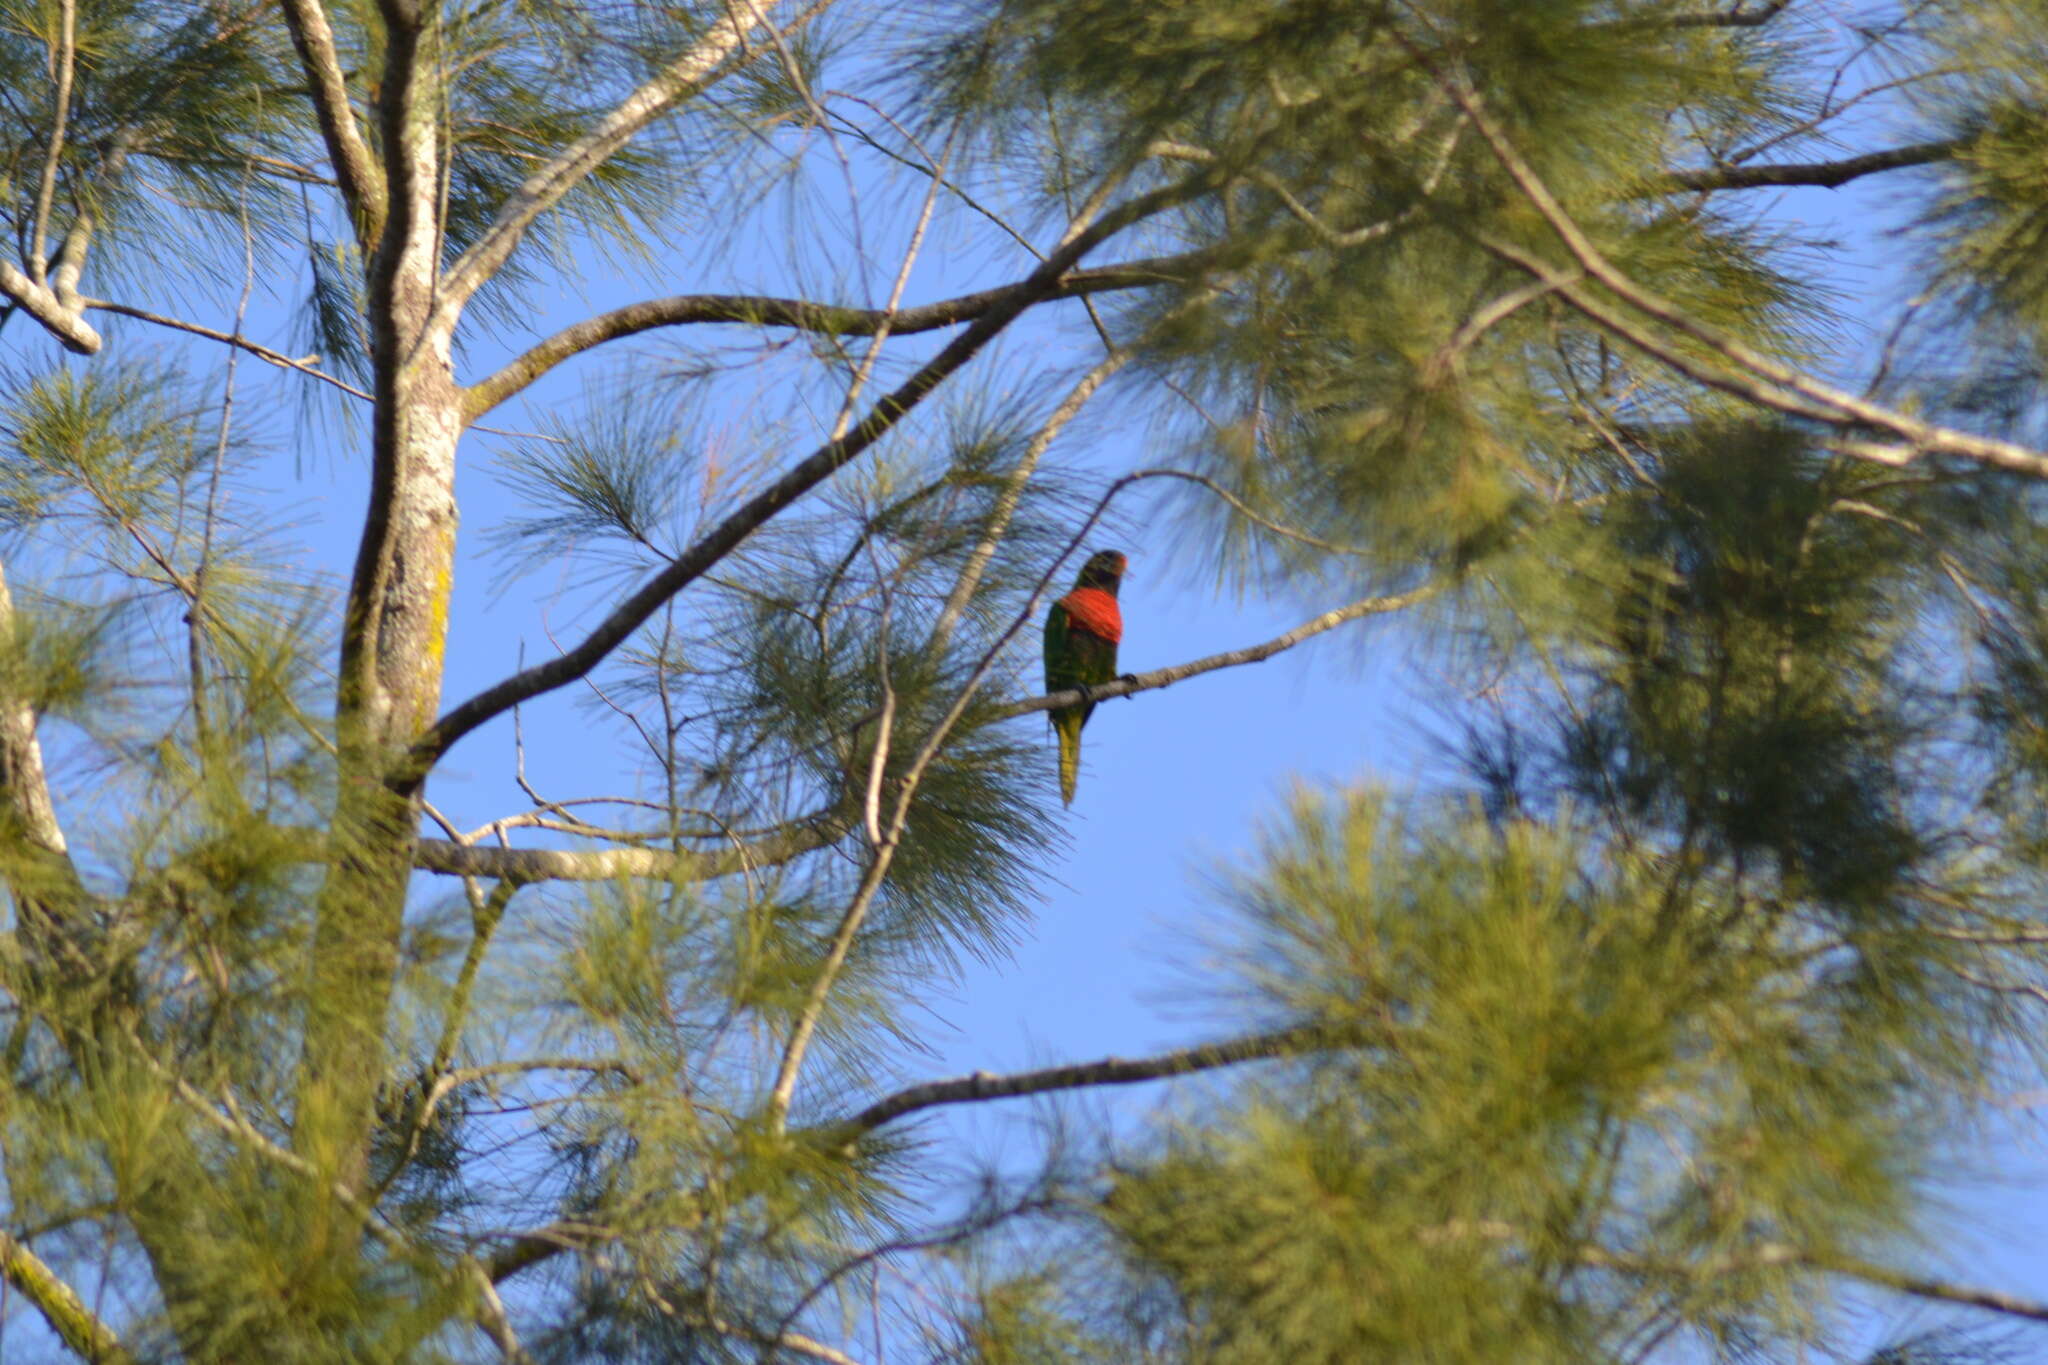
x: 1081, y: 635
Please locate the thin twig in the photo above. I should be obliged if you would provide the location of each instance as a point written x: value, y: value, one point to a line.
x: 1012, y: 492
x: 304, y: 364
x: 195, y: 631
x: 873, y: 355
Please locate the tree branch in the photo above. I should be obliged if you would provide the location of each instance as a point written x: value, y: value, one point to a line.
x: 1734, y: 17
x: 688, y: 73
x: 40, y: 303
x: 75, y: 1324
x: 65, y: 59
x: 796, y: 1342
x: 808, y: 473
x: 1133, y: 683
x: 524, y: 865
x: 1824, y: 174
x: 24, y: 788
x: 1850, y: 1267
x: 1922, y: 1287
x: 802, y: 314
x: 981, y: 1086
x: 1782, y: 388
x: 355, y: 166
x: 49, y: 897
x: 306, y: 365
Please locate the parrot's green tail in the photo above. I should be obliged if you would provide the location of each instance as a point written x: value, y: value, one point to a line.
x: 1068, y: 723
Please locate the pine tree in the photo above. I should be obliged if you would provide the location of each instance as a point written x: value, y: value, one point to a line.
x: 1643, y: 1039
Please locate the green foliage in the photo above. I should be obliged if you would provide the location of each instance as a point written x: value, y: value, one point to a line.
x: 1989, y: 220
x: 1556, y: 1116
x: 1753, y: 692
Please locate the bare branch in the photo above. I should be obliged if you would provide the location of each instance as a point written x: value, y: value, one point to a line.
x: 528, y: 1249
x: 808, y: 473
x: 1133, y: 683
x: 523, y: 865
x: 885, y: 732
x: 688, y: 73
x: 1824, y: 174
x: 75, y: 1324
x: 796, y: 1342
x: 355, y: 166
x: 2003, y: 938
x: 872, y: 876
x: 981, y: 1086
x: 865, y: 370
x: 485, y: 915
x: 804, y: 315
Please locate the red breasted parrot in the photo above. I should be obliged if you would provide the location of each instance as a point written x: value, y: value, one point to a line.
x: 1081, y: 635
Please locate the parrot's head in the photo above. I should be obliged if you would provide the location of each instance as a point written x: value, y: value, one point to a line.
x: 1104, y: 570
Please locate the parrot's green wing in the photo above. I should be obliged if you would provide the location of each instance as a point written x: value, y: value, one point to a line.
x: 1073, y: 658
x: 1062, y: 675
x: 1059, y: 656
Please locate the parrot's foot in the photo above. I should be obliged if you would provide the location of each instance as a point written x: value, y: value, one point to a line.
x: 1129, y: 680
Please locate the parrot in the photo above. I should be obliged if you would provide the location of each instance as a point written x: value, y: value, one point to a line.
x: 1082, y: 631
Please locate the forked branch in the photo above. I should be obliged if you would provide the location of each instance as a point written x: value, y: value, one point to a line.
x: 42, y: 304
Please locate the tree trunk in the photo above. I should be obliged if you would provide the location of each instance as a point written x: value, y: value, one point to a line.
x: 394, y: 634
x: 396, y: 631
